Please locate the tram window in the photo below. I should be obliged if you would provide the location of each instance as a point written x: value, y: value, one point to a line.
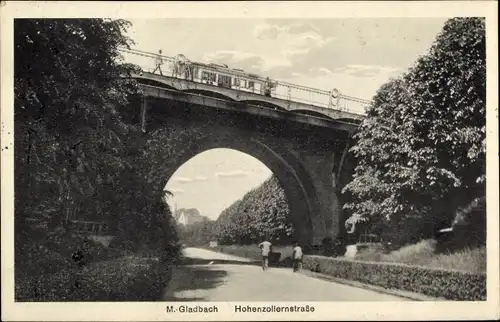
x: 251, y: 84
x: 206, y: 76
x: 236, y: 81
x: 224, y: 81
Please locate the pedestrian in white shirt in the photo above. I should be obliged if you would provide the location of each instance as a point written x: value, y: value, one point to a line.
x: 266, y: 248
x: 297, y: 257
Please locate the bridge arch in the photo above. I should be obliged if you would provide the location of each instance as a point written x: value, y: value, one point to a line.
x: 300, y: 155
x: 294, y: 179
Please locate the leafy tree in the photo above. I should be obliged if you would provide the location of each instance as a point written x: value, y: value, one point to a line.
x: 261, y: 212
x: 67, y: 85
x: 75, y: 156
x: 198, y: 234
x: 421, y: 149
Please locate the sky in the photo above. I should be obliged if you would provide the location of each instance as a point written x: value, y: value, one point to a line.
x: 214, y: 179
x: 355, y: 55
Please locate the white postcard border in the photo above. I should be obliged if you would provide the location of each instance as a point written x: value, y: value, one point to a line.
x: 131, y: 311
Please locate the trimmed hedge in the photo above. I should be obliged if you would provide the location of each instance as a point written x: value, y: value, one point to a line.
x: 448, y: 284
x: 130, y: 278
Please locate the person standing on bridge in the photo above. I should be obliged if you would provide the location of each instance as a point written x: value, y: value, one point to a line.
x: 158, y: 63
x: 266, y: 248
x: 297, y: 257
x: 268, y: 86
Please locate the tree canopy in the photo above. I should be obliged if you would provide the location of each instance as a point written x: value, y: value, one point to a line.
x: 198, y: 234
x: 75, y: 156
x: 421, y: 148
x: 261, y: 212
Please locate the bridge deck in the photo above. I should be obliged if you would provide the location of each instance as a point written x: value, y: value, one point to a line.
x: 234, y: 84
x: 188, y: 86
x: 156, y: 92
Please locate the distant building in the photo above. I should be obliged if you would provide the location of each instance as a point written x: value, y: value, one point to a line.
x: 188, y: 217
x: 183, y: 219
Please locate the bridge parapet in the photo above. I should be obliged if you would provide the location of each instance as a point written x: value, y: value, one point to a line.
x: 187, y: 86
x: 183, y: 75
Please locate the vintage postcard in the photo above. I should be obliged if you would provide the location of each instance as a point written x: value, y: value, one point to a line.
x: 208, y: 161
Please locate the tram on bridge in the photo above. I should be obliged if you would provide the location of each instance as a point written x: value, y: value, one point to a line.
x: 221, y: 75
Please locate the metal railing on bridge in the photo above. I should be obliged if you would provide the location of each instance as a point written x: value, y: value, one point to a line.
x: 281, y: 90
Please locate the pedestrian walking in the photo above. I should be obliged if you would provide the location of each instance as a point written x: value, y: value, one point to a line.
x: 266, y: 248
x: 158, y: 63
x: 297, y: 257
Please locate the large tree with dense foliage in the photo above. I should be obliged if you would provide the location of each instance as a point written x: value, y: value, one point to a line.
x: 421, y: 148
x: 67, y: 85
x: 75, y: 158
x: 261, y: 212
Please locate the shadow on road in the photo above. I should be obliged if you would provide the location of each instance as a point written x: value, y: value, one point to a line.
x: 191, y: 278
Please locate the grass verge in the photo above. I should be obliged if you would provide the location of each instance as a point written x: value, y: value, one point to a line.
x: 424, y: 254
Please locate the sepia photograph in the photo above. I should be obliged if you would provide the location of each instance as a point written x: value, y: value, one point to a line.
x: 271, y: 162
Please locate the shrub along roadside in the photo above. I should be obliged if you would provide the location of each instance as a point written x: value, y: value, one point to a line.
x: 129, y: 278
x: 449, y: 284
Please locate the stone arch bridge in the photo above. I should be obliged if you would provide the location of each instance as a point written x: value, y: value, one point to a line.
x: 306, y: 151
